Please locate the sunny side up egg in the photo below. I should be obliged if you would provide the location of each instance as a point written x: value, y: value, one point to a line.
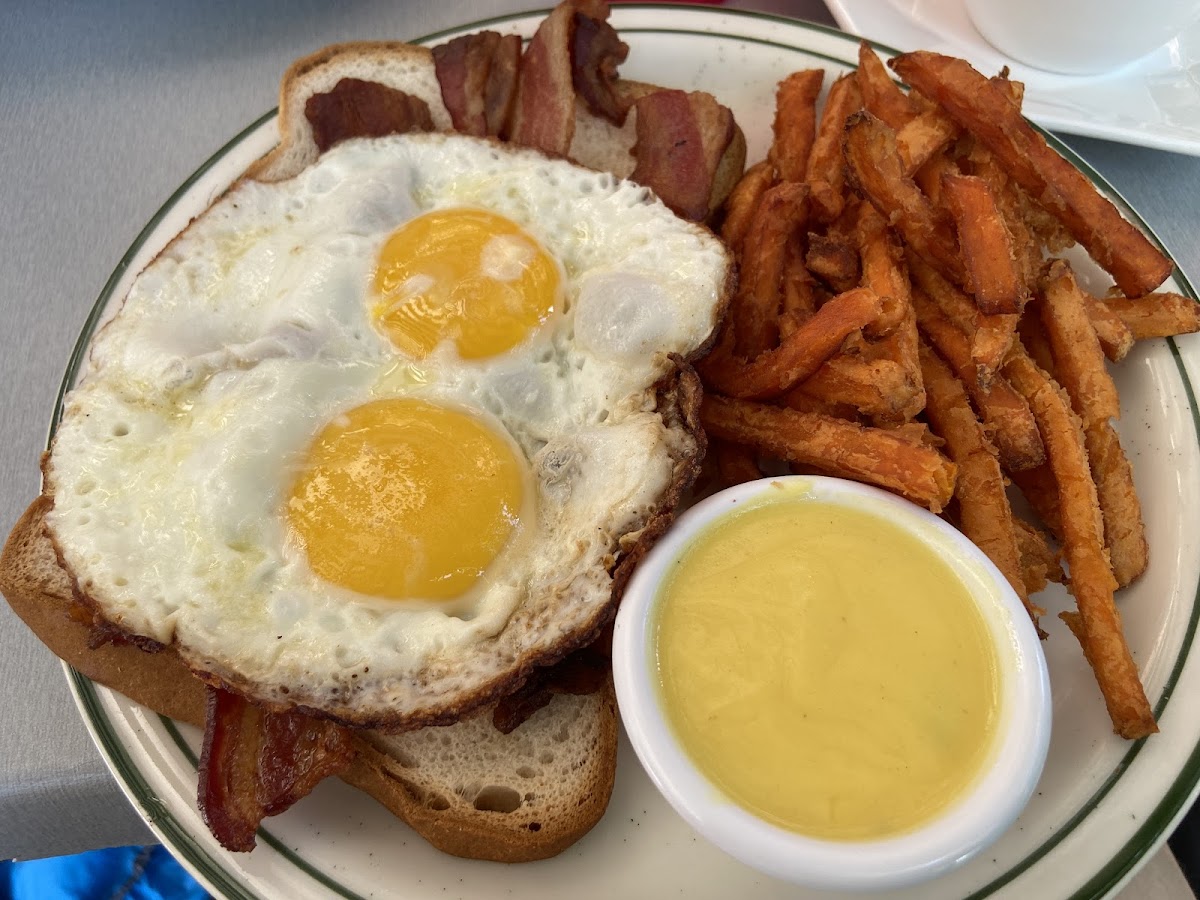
x: 367, y: 440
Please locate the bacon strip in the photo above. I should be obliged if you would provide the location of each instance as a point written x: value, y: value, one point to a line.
x: 478, y: 77
x: 681, y: 138
x: 596, y: 51
x: 256, y: 764
x: 356, y: 108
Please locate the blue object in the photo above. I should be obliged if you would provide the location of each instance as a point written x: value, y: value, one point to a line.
x: 118, y: 873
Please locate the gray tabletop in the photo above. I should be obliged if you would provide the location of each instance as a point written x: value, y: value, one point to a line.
x: 105, y: 108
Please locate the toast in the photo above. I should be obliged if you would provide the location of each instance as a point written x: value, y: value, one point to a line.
x: 466, y: 788
x: 597, y: 143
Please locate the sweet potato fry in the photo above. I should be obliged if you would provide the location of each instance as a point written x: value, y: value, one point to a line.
x: 801, y: 402
x: 836, y: 446
x: 743, y: 201
x: 1124, y: 528
x: 992, y: 270
x: 735, y: 464
x: 984, y: 514
x: 1099, y: 625
x: 880, y: 388
x: 881, y: 95
x: 991, y: 335
x: 929, y: 179
x: 883, y: 269
x: 1078, y: 359
x: 1027, y: 247
x: 1114, y: 335
x: 795, y: 123
x: 988, y: 112
x: 799, y: 300
x: 826, y: 165
x: 923, y: 137
x: 1040, y: 491
x: 874, y: 169
x: 755, y: 308
x: 1004, y: 413
x: 1156, y: 315
x: 771, y: 373
x: 1039, y: 562
x: 834, y: 260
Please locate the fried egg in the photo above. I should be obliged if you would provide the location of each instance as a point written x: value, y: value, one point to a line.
x: 368, y: 441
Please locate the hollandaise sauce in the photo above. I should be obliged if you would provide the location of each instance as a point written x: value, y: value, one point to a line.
x: 826, y: 670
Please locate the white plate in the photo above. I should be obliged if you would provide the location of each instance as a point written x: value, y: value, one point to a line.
x: 1101, y: 807
x: 1154, y: 102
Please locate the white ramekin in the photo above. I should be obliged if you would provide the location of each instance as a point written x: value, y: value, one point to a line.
x: 964, y: 828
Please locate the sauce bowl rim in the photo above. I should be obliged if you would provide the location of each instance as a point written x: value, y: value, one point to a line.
x: 970, y: 823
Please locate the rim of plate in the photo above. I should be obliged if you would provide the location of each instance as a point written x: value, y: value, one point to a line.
x: 209, y: 868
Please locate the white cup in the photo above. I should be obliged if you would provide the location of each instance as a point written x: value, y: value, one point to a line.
x: 1080, y: 37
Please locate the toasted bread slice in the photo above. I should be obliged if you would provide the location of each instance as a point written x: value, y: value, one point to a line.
x: 597, y: 142
x: 466, y: 788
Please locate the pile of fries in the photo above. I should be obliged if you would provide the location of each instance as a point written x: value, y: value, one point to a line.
x: 903, y: 319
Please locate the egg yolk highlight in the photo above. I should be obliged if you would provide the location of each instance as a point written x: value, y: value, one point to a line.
x: 466, y: 275
x: 383, y: 502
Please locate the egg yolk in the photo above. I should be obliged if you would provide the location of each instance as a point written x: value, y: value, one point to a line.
x: 402, y: 498
x: 466, y: 275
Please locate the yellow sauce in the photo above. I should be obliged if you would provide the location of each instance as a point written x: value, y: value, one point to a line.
x: 825, y: 670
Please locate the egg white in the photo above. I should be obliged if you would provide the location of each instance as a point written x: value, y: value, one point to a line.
x: 172, y: 466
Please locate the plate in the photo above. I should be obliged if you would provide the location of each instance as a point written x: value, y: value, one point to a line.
x: 1154, y: 102
x: 1102, y: 805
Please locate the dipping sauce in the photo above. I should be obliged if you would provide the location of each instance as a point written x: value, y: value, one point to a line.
x: 826, y: 670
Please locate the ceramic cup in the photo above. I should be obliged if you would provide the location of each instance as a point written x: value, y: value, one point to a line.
x: 1080, y: 37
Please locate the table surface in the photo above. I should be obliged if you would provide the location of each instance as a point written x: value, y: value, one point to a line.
x: 105, y: 108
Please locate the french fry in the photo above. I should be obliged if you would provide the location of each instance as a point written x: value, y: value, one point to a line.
x: 929, y: 179
x: 990, y: 335
x: 1099, y: 625
x: 1156, y: 315
x: 1040, y: 491
x: 834, y: 260
x: 1078, y: 359
x: 836, y: 446
x: 874, y: 169
x: 881, y: 388
x: 923, y: 137
x: 773, y: 372
x: 1039, y: 562
x: 1004, y: 413
x: 799, y: 300
x: 735, y: 464
x: 826, y: 165
x: 1124, y: 528
x: 992, y: 269
x: 987, y: 111
x: 882, y: 97
x: 1114, y: 335
x: 755, y: 308
x: 984, y: 514
x: 801, y: 402
x: 795, y: 123
x: 743, y: 201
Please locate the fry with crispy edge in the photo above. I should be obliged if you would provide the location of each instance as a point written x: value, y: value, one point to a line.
x: 881, y: 95
x: 879, y: 388
x: 1078, y: 365
x: 795, y: 127
x: 1156, y: 315
x: 1116, y: 338
x: 1004, y: 412
x: 1039, y: 562
x: 987, y: 111
x: 875, y: 170
x: 755, y: 308
x: 735, y: 464
x: 983, y: 511
x: 800, y: 355
x: 826, y: 165
x: 993, y: 273
x: 1099, y: 625
x: 743, y: 201
x: 923, y: 137
x: 874, y: 455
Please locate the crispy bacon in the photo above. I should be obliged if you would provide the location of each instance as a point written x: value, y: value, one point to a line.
x: 256, y: 764
x: 544, y: 111
x: 681, y: 138
x: 596, y: 51
x: 478, y: 77
x: 356, y: 108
